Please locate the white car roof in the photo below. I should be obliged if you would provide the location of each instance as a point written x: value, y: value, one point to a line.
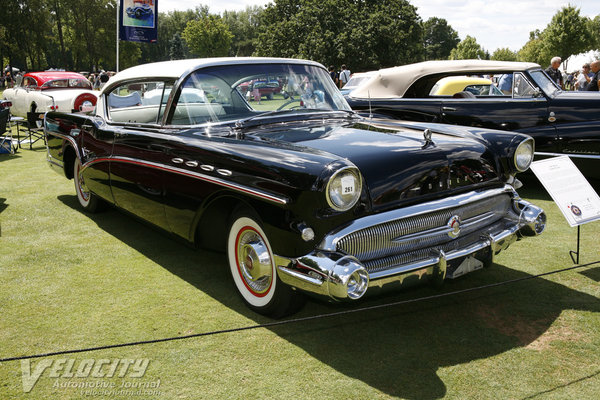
x: 394, y: 82
x: 176, y: 68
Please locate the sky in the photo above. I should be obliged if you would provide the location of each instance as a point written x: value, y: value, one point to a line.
x: 495, y: 24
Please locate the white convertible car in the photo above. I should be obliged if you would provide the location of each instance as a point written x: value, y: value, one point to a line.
x: 50, y: 91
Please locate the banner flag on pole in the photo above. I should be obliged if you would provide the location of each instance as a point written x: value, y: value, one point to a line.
x: 138, y: 22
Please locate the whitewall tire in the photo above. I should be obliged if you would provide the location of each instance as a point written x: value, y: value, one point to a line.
x: 87, y: 200
x: 253, y: 270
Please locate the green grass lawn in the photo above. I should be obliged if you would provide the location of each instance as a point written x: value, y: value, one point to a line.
x: 71, y: 280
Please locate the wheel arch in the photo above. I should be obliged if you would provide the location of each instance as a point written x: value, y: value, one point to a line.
x: 68, y: 159
x: 211, y: 225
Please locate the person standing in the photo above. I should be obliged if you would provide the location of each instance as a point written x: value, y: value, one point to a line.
x: 594, y: 84
x: 584, y: 77
x: 334, y: 75
x: 505, y: 84
x: 344, y: 76
x: 554, y: 73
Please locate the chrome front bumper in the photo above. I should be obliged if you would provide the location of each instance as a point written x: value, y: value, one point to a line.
x: 329, y: 272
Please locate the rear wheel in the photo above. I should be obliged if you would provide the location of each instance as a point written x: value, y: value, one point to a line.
x: 87, y: 200
x: 253, y: 270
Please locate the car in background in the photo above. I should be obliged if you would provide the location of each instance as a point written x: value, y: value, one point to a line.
x: 562, y: 123
x: 39, y: 92
x: 139, y: 11
x: 452, y: 85
x: 263, y: 87
x: 303, y: 195
x: 355, y: 80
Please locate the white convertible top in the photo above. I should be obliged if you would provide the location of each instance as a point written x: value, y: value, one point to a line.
x: 394, y: 82
x: 176, y: 68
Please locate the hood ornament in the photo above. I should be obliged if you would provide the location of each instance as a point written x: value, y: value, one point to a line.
x: 427, y: 136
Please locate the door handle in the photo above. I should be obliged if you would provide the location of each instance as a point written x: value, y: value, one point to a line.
x: 448, y: 109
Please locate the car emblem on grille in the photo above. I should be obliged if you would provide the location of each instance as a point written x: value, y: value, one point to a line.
x: 454, y: 225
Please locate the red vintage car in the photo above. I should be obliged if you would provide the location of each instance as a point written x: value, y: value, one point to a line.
x: 50, y: 91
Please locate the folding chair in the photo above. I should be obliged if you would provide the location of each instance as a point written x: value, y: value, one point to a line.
x: 34, y: 132
x: 7, y: 144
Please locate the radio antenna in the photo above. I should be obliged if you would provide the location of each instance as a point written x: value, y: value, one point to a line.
x: 370, y: 111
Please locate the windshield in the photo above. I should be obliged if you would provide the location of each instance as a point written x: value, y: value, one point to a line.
x: 233, y: 92
x: 544, y: 82
x: 68, y: 83
x: 356, y: 80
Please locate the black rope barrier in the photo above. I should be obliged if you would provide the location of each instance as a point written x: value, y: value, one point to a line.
x: 296, y: 320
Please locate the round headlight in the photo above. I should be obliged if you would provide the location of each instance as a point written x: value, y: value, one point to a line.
x: 524, y: 155
x: 343, y: 189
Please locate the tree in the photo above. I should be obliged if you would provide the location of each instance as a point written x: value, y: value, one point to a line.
x: 438, y: 39
x: 567, y: 34
x: 389, y: 32
x: 468, y: 49
x: 208, y: 36
x: 169, y: 24
x: 534, y: 50
x: 244, y: 26
x: 504, y: 54
x: 593, y: 29
x: 177, y: 50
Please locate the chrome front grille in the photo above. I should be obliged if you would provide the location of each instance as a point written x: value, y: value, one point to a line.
x: 408, y: 239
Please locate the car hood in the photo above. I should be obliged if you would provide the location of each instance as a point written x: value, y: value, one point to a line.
x: 399, y: 164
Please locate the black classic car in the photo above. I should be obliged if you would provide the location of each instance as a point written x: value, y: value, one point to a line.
x: 302, y: 194
x: 562, y: 123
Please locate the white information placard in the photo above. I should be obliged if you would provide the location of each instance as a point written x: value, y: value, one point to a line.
x: 569, y: 189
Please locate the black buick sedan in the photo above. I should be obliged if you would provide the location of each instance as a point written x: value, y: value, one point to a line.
x: 562, y: 123
x: 302, y: 194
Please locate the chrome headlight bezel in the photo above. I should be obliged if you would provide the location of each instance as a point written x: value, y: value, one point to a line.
x: 523, y: 156
x: 336, y: 200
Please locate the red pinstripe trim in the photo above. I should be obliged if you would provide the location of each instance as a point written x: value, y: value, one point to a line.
x: 237, y: 262
x: 191, y: 174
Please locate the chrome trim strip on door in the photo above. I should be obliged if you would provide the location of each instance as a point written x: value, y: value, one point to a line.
x: 193, y: 174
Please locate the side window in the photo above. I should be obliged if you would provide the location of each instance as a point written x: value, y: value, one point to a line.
x: 29, y: 83
x: 203, y: 98
x: 138, y: 102
x: 522, y: 88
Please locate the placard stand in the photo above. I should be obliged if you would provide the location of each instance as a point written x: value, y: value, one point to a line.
x: 571, y: 192
x: 576, y: 253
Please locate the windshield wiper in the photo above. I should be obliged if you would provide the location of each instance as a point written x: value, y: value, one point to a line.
x: 242, y: 123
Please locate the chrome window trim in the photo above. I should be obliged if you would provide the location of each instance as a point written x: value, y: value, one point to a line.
x: 329, y: 243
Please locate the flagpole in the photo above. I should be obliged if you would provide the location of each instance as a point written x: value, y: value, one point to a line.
x: 118, y: 9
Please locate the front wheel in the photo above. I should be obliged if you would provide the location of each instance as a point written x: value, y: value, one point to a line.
x: 252, y: 268
x: 87, y: 200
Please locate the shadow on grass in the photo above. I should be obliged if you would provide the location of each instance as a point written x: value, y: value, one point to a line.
x: 8, y: 157
x: 554, y: 389
x: 593, y: 274
x: 397, y: 350
x: 3, y: 204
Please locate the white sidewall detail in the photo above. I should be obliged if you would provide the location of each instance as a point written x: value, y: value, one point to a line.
x: 82, y: 200
x: 250, y: 297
